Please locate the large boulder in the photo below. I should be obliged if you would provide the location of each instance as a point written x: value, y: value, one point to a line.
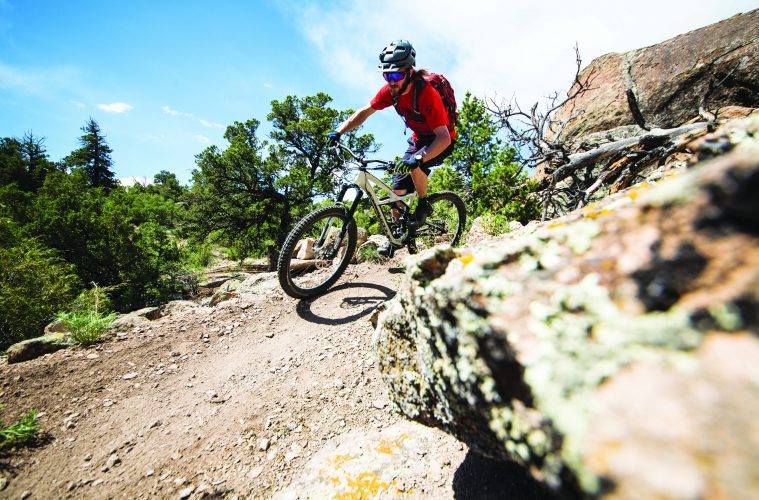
x: 612, y: 350
x: 135, y: 318
x: 670, y: 78
x: 36, y: 347
x: 56, y: 326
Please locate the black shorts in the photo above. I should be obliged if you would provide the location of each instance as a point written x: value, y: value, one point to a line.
x: 403, y: 181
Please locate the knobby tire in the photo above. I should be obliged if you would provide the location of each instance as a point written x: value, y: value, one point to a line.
x: 297, y: 233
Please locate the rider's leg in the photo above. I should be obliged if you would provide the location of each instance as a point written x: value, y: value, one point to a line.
x: 394, y: 209
x: 419, y: 178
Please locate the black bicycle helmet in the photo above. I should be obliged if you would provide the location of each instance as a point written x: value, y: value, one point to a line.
x: 397, y: 56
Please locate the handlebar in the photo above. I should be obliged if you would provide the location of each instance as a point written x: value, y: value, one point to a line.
x: 362, y: 161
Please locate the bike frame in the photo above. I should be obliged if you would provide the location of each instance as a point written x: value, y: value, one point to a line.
x: 366, y: 183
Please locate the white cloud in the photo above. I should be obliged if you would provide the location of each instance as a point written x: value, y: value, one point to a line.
x: 131, y: 181
x: 116, y: 107
x: 495, y: 47
x: 169, y: 111
x: 202, y: 139
x: 208, y: 124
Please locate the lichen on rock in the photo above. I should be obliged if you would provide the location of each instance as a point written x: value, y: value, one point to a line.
x: 518, y: 346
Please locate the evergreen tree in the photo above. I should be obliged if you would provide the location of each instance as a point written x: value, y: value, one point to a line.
x: 477, y: 144
x: 167, y: 185
x: 36, y: 163
x: 24, y: 162
x: 94, y: 157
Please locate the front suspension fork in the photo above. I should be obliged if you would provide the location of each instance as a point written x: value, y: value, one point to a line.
x: 351, y: 212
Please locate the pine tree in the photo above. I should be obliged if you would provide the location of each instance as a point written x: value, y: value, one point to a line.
x: 24, y: 162
x: 94, y: 157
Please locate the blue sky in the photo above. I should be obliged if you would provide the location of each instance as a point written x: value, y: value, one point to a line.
x: 163, y: 79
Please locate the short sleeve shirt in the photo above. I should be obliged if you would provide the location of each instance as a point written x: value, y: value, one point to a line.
x: 430, y: 106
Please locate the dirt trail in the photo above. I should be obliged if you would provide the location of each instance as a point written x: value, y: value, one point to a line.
x: 163, y: 411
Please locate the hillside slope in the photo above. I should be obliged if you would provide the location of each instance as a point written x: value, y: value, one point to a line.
x: 228, y: 400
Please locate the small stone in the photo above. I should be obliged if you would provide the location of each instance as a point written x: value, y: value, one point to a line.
x: 25, y: 494
x: 88, y: 457
x: 155, y: 424
x: 149, y: 473
x: 3, y: 483
x: 255, y: 472
x: 186, y: 492
x: 211, y: 394
x: 112, y: 461
x: 263, y: 444
x: 93, y: 355
x: 339, y: 384
x: 270, y: 334
x: 379, y: 404
x: 293, y: 453
x: 130, y: 376
x: 98, y: 482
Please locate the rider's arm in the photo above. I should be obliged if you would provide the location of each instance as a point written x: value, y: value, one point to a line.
x: 442, y: 140
x: 356, y: 119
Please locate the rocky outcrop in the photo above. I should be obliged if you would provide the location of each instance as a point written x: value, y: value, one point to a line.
x: 36, y: 347
x: 135, y: 318
x: 670, y: 78
x: 613, y: 350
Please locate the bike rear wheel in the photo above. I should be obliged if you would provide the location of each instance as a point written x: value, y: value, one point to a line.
x: 444, y: 225
x: 312, y: 276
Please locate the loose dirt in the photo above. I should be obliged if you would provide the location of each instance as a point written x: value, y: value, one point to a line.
x: 261, y: 395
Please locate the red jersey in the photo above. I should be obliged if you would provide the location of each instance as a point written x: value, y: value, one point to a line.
x: 430, y: 106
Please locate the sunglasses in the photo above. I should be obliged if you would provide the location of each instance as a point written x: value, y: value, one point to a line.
x: 394, y: 76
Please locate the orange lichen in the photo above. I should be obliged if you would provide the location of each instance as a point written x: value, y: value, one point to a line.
x: 466, y: 259
x: 339, y: 460
x: 363, y: 486
x: 388, y: 446
x: 595, y: 214
x: 634, y: 192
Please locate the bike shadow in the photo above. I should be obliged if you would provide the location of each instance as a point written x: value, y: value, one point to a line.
x: 311, y: 310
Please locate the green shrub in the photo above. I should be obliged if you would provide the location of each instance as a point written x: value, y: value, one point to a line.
x: 446, y: 178
x: 34, y: 285
x: 19, y: 433
x: 369, y: 253
x: 94, y: 299
x: 86, y: 327
x: 197, y: 256
x: 495, y: 224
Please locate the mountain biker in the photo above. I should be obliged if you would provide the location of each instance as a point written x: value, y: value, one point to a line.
x: 433, y: 135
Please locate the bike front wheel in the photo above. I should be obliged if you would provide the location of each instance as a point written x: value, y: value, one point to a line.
x: 444, y: 225
x: 309, y: 269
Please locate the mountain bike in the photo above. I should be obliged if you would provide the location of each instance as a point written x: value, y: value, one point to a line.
x: 333, y: 232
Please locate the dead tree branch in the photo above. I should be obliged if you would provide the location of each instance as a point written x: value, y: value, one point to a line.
x: 632, y: 103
